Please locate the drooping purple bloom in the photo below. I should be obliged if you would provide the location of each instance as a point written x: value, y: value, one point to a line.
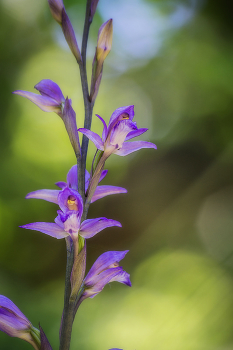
x: 68, y: 221
x: 72, y: 182
x: 51, y: 99
x: 121, y: 128
x: 14, y: 323
x: 106, y: 269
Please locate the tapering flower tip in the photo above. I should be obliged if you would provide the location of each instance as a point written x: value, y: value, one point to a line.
x: 50, y: 99
x: 104, y: 42
x: 94, y: 4
x: 14, y: 323
x: 106, y: 269
x: 56, y: 7
x: 70, y: 35
x: 45, y: 345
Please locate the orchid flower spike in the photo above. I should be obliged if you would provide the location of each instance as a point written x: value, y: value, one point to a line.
x: 106, y: 269
x: 14, y: 323
x: 68, y: 221
x: 72, y: 182
x: 121, y: 128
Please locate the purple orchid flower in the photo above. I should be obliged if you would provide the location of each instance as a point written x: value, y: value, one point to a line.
x: 72, y: 182
x: 106, y: 269
x: 68, y: 221
x: 14, y: 323
x: 121, y: 128
x: 51, y: 99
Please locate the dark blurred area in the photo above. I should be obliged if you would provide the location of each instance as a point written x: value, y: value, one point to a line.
x: 173, y: 61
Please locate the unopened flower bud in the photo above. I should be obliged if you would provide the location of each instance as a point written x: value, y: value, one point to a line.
x: 56, y: 7
x: 70, y: 35
x: 104, y: 42
x: 94, y: 4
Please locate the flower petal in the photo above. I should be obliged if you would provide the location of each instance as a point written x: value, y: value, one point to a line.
x: 118, y: 112
x: 47, y: 195
x: 135, y: 133
x: 6, y: 303
x: 95, y: 138
x: 47, y: 87
x: 48, y: 228
x: 72, y: 178
x: 72, y: 224
x: 45, y: 103
x: 61, y: 184
x: 129, y: 147
x: 91, y: 227
x: 103, y: 174
x: 103, y: 262
x: 105, y: 190
x: 120, y: 130
x: 113, y: 274
x: 105, y: 129
x: 63, y: 198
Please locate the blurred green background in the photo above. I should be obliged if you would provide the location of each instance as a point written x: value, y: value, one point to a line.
x: 172, y: 59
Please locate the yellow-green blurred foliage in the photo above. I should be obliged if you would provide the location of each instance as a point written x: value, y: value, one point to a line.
x: 173, y: 61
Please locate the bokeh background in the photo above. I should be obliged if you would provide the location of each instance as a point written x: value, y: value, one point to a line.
x: 172, y: 59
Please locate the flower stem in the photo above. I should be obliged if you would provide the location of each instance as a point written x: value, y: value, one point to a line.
x: 67, y: 316
x: 87, y: 102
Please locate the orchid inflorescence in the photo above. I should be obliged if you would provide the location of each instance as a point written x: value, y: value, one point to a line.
x: 81, y: 187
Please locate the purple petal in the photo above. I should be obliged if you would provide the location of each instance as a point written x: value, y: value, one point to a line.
x: 129, y: 147
x: 107, y: 276
x: 45, y: 103
x: 103, y: 262
x: 6, y: 303
x: 122, y: 277
x: 95, y: 138
x: 12, y: 326
x: 47, y: 195
x: 118, y: 112
x: 61, y: 184
x: 105, y: 129
x: 103, y: 191
x: 135, y: 133
x: 72, y: 224
x: 72, y: 177
x: 70, y: 35
x: 63, y: 198
x: 48, y: 88
x: 48, y: 228
x: 103, y: 174
x: 91, y: 227
x: 120, y: 131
